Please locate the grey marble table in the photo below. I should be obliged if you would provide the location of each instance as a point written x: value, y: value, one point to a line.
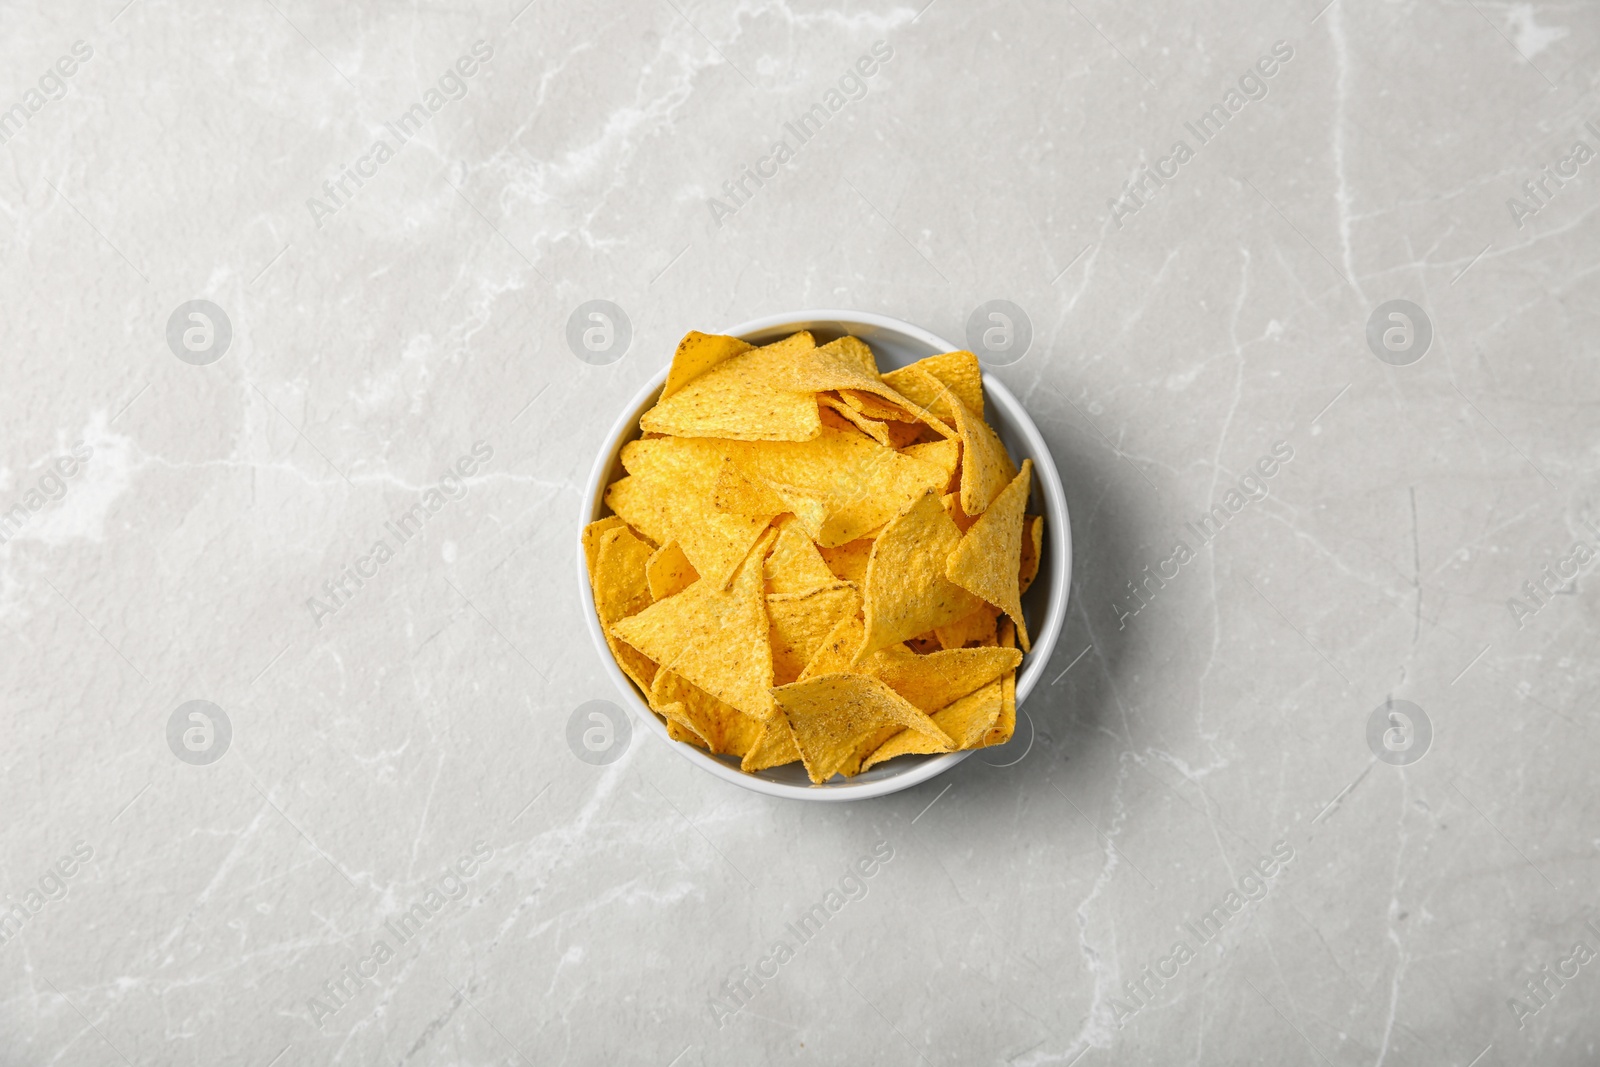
x: 285, y: 281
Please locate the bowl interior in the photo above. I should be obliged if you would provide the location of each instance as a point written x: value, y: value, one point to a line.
x: 1044, y: 605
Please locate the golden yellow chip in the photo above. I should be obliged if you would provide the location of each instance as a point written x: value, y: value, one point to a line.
x: 715, y: 638
x: 968, y: 721
x: 831, y: 714
x: 775, y: 748
x: 958, y: 371
x: 669, y: 571
x: 849, y: 560
x: 591, y: 537
x: 875, y: 407
x: 1006, y: 724
x: 721, y: 728
x: 678, y: 727
x: 944, y: 454
x: 837, y: 650
x: 670, y: 492
x: 841, y: 416
x: 795, y: 564
x: 988, y: 561
x: 620, y: 591
x: 858, y: 483
x: 931, y: 681
x: 697, y: 353
x: 745, y: 397
x: 800, y: 622
x: 640, y: 506
x: 841, y: 365
x: 952, y: 507
x: 1032, y: 551
x: 905, y: 592
x: 977, y: 628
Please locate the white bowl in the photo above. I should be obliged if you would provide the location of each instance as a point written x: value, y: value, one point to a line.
x: 895, y: 344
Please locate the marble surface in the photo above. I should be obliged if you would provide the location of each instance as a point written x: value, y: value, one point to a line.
x: 390, y: 765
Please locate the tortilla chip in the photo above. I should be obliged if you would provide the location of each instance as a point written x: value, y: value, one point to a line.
x: 958, y: 371
x: 977, y: 628
x: 795, y: 564
x: 830, y: 714
x: 842, y: 365
x: 1006, y: 724
x: 875, y: 407
x: 745, y: 397
x: 671, y: 485
x: 591, y: 537
x: 640, y: 505
x: 854, y: 483
x: 775, y: 748
x: 905, y: 591
x: 838, y: 412
x: 952, y: 507
x: 968, y: 721
x: 944, y: 454
x: 697, y: 353
x: 722, y: 729
x: 669, y: 571
x: 1032, y: 551
x: 849, y: 561
x: 800, y: 621
x: 715, y: 638
x: 620, y: 591
x: 988, y: 560
x: 679, y: 729
x: 930, y: 682
x: 837, y: 650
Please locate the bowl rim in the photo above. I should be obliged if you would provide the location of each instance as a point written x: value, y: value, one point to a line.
x: 1059, y: 534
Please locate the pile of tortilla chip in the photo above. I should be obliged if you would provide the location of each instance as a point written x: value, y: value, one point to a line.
x: 808, y: 560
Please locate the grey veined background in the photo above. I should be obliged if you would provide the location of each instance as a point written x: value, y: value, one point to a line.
x: 1316, y: 789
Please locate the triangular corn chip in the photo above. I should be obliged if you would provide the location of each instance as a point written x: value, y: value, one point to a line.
x: 905, y: 592
x: 831, y: 714
x: 842, y: 364
x: 977, y: 628
x: 930, y: 682
x: 591, y: 537
x: 1032, y: 550
x: 988, y: 560
x: 697, y: 353
x: 620, y: 589
x: 671, y: 487
x: 723, y: 728
x: 775, y: 748
x: 715, y: 638
x: 944, y: 454
x: 959, y: 371
x: 849, y: 560
x: 967, y: 721
x: 669, y: 571
x: 746, y: 397
x: 795, y: 565
x: 800, y: 621
x: 1006, y: 724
